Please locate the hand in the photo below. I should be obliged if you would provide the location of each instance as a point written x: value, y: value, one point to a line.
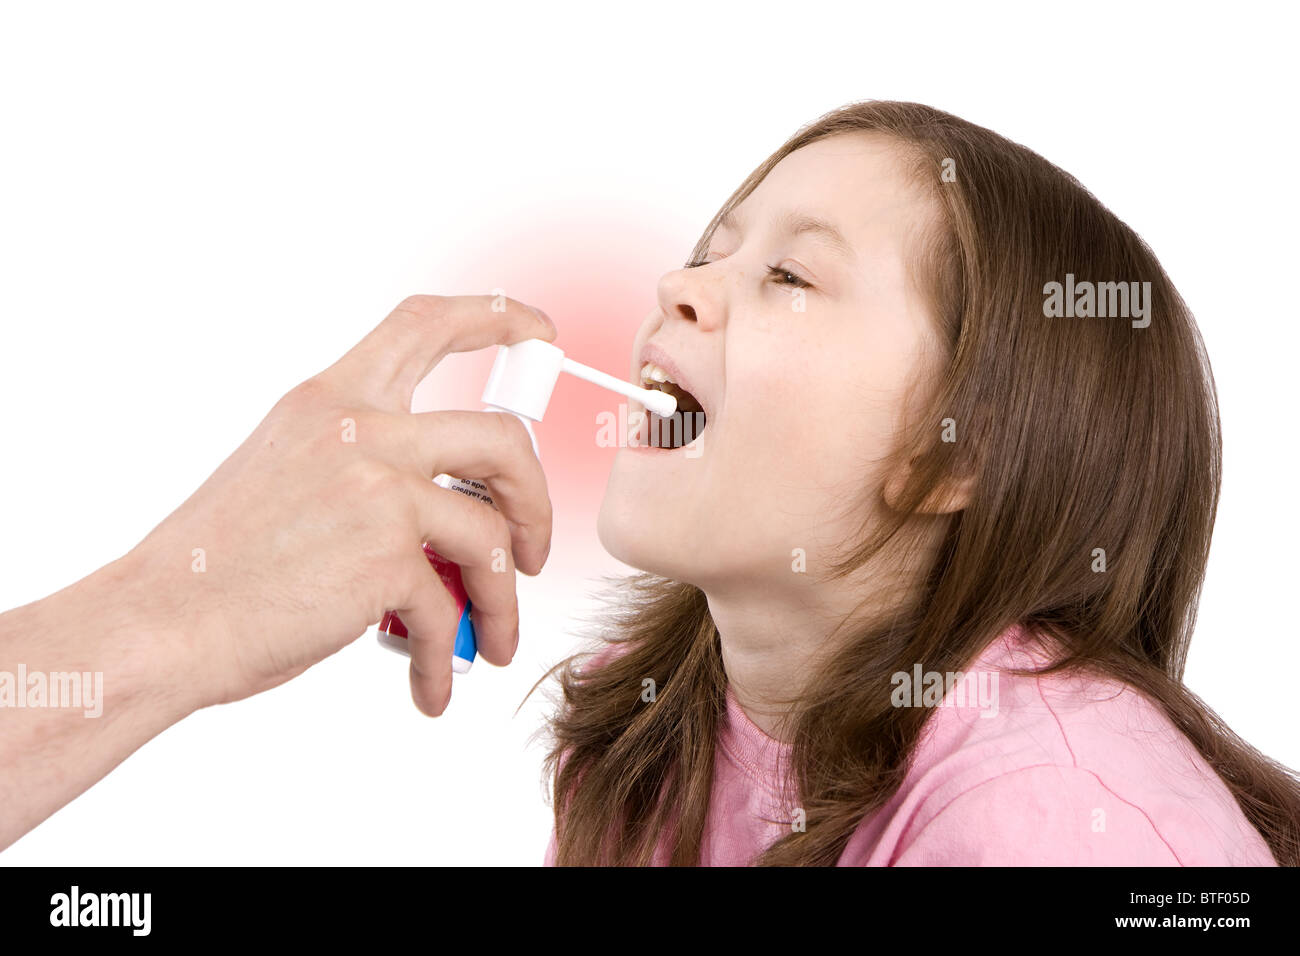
x: 313, y: 528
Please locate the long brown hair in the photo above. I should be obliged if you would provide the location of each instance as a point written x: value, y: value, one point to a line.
x: 1079, y: 434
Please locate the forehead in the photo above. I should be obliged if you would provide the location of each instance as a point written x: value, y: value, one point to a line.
x: 857, y: 181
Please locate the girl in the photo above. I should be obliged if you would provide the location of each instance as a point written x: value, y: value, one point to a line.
x: 921, y: 590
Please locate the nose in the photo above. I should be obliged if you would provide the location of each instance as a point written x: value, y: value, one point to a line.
x: 694, y: 294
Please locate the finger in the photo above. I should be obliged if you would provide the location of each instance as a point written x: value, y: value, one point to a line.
x: 492, y: 448
x: 475, y: 537
x: 431, y: 619
x: 389, y: 362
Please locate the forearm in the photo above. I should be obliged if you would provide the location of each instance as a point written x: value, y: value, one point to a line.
x: 87, y: 675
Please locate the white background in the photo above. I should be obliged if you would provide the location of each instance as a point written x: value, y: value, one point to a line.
x: 201, y: 205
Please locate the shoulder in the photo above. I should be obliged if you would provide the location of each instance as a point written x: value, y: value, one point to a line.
x: 1059, y: 770
x: 1046, y: 815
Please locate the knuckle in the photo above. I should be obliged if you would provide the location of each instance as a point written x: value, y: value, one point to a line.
x: 414, y: 582
x: 513, y: 431
x: 496, y: 535
x: 512, y: 613
x: 308, y: 413
x: 419, y: 306
x: 376, y: 481
x: 493, y: 528
x: 308, y: 394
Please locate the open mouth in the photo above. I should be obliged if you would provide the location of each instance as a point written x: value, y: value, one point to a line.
x: 685, y: 425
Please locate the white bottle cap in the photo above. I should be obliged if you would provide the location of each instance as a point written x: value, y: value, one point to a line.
x: 523, y: 377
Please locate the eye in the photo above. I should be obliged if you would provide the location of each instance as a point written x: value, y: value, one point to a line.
x: 786, y: 277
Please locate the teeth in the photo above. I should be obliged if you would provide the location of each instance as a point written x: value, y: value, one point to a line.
x: 650, y: 372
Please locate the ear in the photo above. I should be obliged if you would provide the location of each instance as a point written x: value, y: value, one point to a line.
x: 952, y: 494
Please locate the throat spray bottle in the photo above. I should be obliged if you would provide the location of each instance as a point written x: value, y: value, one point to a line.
x: 520, y: 384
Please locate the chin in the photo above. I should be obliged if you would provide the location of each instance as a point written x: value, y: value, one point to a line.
x: 626, y: 533
x: 621, y: 532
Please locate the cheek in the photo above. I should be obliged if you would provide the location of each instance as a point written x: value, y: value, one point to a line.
x: 818, y: 434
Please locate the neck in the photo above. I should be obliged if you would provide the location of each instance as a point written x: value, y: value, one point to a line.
x: 768, y: 649
x: 773, y: 641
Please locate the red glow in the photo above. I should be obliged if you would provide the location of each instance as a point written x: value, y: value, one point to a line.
x: 595, y: 274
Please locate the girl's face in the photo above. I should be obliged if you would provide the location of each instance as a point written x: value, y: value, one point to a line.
x: 799, y: 335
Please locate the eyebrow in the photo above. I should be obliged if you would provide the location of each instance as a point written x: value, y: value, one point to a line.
x: 797, y: 224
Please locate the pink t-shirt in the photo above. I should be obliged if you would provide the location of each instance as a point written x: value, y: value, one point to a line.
x: 1010, y: 771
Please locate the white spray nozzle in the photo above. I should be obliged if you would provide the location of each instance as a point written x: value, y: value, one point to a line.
x: 524, y: 375
x: 661, y: 403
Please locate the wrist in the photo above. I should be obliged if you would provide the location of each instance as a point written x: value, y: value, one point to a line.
x: 89, y: 675
x: 116, y: 623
